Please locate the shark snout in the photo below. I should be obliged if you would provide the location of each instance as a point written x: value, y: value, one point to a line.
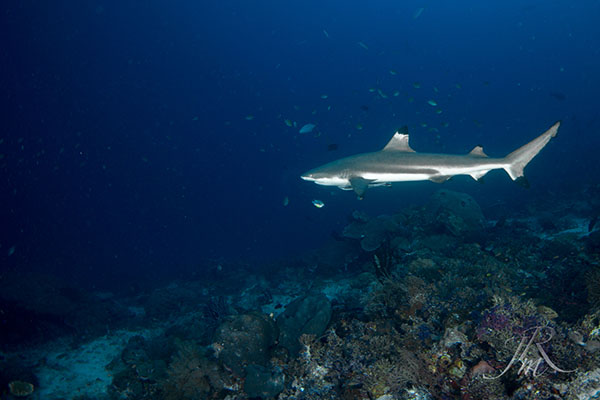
x: 307, y: 177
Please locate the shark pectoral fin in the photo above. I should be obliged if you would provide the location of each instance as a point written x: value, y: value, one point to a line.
x: 439, y: 178
x: 360, y: 186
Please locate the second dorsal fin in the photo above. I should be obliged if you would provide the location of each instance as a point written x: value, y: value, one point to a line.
x: 478, y: 151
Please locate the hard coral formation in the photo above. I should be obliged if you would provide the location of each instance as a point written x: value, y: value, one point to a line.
x: 371, y: 232
x: 191, y: 376
x: 307, y: 315
x: 362, y: 361
x: 245, y: 339
x: 456, y: 213
x: 263, y: 382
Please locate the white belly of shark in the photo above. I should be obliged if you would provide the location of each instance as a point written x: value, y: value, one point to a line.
x: 332, y: 182
x: 384, y: 178
x: 398, y: 162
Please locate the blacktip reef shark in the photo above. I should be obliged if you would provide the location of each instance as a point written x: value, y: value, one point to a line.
x: 398, y: 162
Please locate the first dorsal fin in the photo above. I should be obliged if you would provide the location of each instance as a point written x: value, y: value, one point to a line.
x: 399, y: 141
x: 478, y: 151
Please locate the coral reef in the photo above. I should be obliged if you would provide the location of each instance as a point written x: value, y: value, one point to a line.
x: 245, y: 339
x: 191, y: 375
x: 433, y: 302
x: 307, y: 315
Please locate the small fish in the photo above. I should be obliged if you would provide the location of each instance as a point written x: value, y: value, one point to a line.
x: 249, y: 117
x: 308, y: 128
x: 318, y: 203
x: 332, y: 147
x: 359, y: 127
x: 364, y: 46
x: 417, y: 85
x: 396, y: 93
x: 438, y: 111
x: 286, y: 201
x: 432, y: 103
x: 12, y: 250
x: 326, y: 33
x: 324, y: 96
x: 418, y: 12
x: 392, y: 72
x: 372, y: 90
x: 383, y: 95
x: 458, y: 86
x: 288, y: 123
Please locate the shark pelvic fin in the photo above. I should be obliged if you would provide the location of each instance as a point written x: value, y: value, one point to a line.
x: 478, y: 176
x: 360, y: 186
x: 478, y: 151
x: 399, y: 141
x: 439, y: 178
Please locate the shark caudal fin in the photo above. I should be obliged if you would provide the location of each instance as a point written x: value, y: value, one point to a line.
x: 518, y: 159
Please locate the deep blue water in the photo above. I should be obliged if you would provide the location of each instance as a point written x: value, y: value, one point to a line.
x: 142, y: 139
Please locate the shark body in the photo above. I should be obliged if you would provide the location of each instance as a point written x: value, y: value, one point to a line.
x: 398, y: 162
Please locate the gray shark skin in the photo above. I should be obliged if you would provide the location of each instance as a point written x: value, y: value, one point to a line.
x: 398, y: 162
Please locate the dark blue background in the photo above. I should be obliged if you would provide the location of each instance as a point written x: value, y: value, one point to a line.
x: 126, y: 152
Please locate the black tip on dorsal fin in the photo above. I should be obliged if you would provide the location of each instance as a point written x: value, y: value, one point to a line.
x: 399, y: 141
